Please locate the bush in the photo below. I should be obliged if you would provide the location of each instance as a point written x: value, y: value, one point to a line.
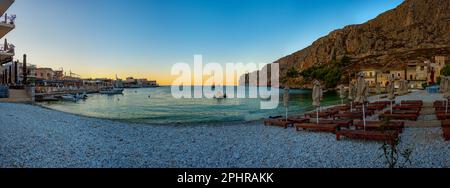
x: 330, y: 74
x: 446, y: 70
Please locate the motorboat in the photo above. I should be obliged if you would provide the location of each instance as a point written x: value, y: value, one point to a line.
x: 70, y: 97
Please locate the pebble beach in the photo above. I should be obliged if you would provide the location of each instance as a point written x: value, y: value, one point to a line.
x: 32, y: 136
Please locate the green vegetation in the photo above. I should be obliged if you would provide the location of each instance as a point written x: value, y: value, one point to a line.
x: 292, y: 73
x: 392, y: 154
x: 446, y: 71
x: 330, y: 73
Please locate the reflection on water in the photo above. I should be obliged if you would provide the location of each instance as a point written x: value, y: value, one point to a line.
x: 156, y: 105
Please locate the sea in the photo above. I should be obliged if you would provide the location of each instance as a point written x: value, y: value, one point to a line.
x: 158, y: 106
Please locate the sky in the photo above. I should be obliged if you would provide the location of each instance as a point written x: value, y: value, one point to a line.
x: 145, y: 38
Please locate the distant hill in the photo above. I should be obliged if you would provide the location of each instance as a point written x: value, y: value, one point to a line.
x: 416, y: 30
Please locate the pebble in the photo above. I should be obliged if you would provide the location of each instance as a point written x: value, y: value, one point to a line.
x: 39, y: 137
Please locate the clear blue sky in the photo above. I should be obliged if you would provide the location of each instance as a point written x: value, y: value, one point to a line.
x: 144, y: 38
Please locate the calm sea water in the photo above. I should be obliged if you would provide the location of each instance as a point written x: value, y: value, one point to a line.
x: 135, y: 105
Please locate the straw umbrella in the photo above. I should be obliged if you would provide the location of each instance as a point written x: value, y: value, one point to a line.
x: 378, y: 90
x: 317, y: 96
x: 351, y: 94
x: 361, y: 94
x: 342, y: 93
x: 404, y: 87
x: 286, y: 100
x: 391, y: 90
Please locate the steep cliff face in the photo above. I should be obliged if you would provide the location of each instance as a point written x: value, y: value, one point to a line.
x: 415, y: 30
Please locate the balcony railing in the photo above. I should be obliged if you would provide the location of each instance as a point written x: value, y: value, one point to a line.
x: 8, y: 48
x: 8, y: 19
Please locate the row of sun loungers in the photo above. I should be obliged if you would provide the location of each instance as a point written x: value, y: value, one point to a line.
x: 339, y: 119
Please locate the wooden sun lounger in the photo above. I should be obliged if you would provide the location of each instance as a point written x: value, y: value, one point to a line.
x: 379, y: 126
x: 321, y: 115
x: 298, y: 120
x: 399, y: 107
x: 317, y: 127
x: 382, y: 102
x: 340, y: 123
x: 342, y: 108
x: 376, y: 107
x: 446, y: 133
x: 445, y: 123
x: 415, y: 112
x: 412, y: 117
x: 388, y: 136
x: 413, y: 102
x: 348, y: 116
x: 278, y: 122
x: 442, y: 115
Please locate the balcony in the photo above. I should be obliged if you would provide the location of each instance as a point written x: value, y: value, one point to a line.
x: 7, y: 24
x: 6, y: 53
x: 4, y: 5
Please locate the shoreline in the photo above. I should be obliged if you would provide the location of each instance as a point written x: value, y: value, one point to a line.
x: 33, y: 136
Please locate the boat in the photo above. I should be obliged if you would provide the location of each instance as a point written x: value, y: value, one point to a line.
x: 111, y: 91
x: 70, y: 97
x: 219, y: 95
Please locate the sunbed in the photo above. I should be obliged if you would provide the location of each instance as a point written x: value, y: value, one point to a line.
x: 279, y: 122
x: 298, y: 120
x: 443, y: 115
x: 340, y: 123
x: 412, y: 117
x: 321, y: 115
x: 446, y: 133
x: 388, y: 136
x: 317, y: 127
x: 380, y: 126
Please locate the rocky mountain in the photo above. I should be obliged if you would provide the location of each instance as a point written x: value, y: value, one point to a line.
x: 416, y: 30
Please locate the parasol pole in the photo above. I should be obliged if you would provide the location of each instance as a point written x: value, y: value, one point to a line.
x: 286, y: 113
x: 317, y: 115
x: 364, y: 116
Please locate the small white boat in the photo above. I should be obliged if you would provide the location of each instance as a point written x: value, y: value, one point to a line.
x: 69, y: 97
x: 266, y: 98
x: 220, y: 95
x: 111, y: 91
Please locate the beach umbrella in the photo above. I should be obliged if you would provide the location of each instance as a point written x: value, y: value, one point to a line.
x: 286, y: 100
x: 405, y: 87
x: 400, y: 87
x: 351, y: 95
x: 390, y: 88
x: 362, y: 94
x: 378, y: 90
x: 317, y: 96
x: 342, y: 93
